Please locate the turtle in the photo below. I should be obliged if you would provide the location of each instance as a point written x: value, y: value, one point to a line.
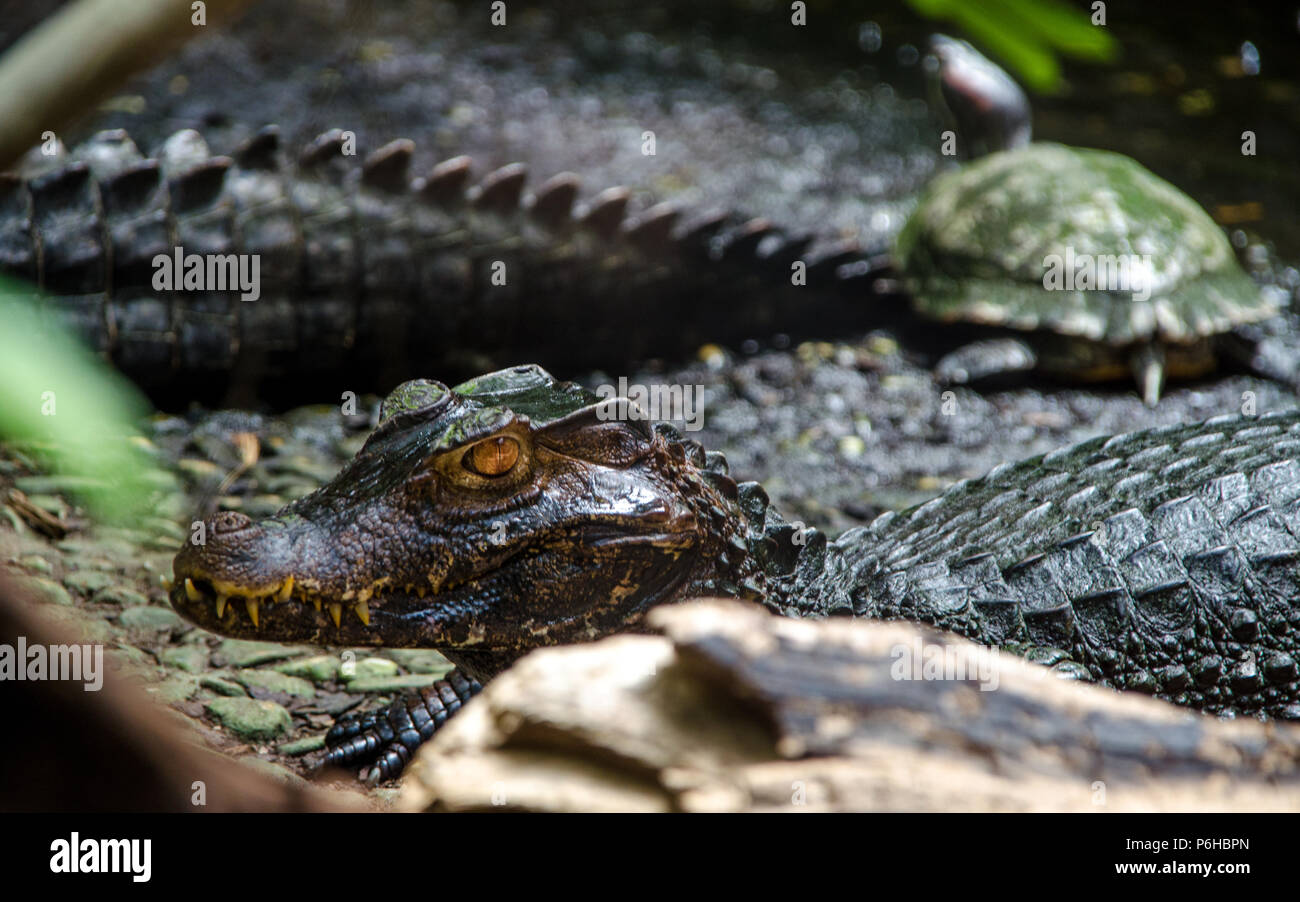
x: 1109, y: 268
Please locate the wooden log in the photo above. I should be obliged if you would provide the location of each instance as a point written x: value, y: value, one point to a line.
x: 730, y: 708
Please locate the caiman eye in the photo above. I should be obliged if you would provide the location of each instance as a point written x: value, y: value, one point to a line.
x: 494, y: 457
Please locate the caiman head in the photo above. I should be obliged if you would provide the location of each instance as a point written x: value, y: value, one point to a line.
x: 509, y: 512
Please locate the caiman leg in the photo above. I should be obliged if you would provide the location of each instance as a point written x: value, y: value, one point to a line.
x: 386, y: 739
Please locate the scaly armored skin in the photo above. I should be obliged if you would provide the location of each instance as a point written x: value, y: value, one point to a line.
x: 514, y: 512
x: 368, y: 275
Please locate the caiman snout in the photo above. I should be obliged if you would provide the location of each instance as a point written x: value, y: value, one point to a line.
x: 231, y: 559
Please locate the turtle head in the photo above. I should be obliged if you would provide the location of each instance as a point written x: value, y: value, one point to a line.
x: 981, y: 102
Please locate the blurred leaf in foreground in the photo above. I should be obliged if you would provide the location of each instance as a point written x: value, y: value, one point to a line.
x: 1027, y: 35
x: 71, y: 413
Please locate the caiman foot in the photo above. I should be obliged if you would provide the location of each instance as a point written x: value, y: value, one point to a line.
x: 386, y: 739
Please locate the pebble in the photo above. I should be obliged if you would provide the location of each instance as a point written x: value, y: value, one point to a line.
x: 370, y: 669
x: 88, y: 581
x: 176, y: 688
x: 250, y: 718
x: 852, y: 447
x: 318, y: 668
x: 393, y: 684
x: 36, y: 563
x: 119, y: 595
x: 279, y: 683
x: 130, y: 663
x: 222, y: 686
x: 44, y: 591
x: 161, y: 543
x: 189, y: 658
x: 249, y: 653
x: 712, y: 356
x: 150, y: 618
x: 883, y: 345
x: 420, y: 660
x: 166, y: 528
x: 302, y: 746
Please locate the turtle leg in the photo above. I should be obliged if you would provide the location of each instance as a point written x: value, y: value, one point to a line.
x: 1269, y: 350
x: 1148, y: 364
x: 985, y: 360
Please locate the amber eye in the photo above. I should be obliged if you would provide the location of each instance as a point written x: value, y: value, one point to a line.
x: 494, y: 457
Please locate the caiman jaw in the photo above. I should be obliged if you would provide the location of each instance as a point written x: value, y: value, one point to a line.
x: 229, y: 582
x: 222, y: 596
x: 234, y: 582
x: 295, y: 610
x: 242, y: 582
x: 221, y: 593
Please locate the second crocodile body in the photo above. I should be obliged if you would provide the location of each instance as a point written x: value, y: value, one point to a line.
x: 367, y: 274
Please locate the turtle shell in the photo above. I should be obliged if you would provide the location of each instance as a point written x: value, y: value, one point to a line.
x: 984, y: 238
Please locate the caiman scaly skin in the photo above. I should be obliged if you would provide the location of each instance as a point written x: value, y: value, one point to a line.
x: 368, y: 275
x: 514, y: 512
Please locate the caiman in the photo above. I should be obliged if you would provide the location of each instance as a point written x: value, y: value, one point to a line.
x: 366, y: 275
x: 514, y: 511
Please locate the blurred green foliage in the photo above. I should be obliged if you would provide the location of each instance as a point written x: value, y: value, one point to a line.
x: 1026, y: 35
x: 71, y: 413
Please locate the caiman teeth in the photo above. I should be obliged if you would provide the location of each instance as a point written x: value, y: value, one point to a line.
x: 336, y: 611
x: 316, y: 604
x: 286, y: 590
x: 251, y: 605
x: 221, y: 606
x: 362, y: 610
x: 191, y: 591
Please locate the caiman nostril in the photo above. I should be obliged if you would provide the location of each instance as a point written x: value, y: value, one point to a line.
x: 230, y: 521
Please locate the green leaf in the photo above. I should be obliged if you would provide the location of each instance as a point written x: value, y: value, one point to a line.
x: 73, y: 412
x: 1027, y: 35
